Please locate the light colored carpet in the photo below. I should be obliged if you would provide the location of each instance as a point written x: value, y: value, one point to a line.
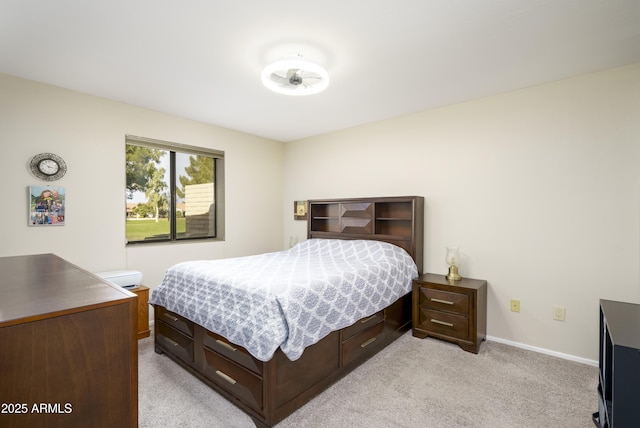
x: 412, y: 383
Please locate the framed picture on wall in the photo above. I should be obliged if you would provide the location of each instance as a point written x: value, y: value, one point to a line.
x: 46, y: 206
x: 300, y: 210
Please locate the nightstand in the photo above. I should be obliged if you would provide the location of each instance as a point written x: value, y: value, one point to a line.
x: 450, y: 310
x: 143, y: 310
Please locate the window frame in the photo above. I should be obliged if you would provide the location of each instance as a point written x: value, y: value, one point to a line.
x: 219, y: 186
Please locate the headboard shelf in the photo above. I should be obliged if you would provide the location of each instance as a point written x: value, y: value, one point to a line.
x: 398, y: 220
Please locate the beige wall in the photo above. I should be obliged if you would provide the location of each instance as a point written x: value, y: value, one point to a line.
x: 539, y: 187
x: 89, y: 133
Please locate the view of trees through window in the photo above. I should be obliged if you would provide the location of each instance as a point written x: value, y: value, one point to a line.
x: 170, y: 194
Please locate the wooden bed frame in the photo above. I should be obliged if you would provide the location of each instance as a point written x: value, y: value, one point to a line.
x: 270, y: 391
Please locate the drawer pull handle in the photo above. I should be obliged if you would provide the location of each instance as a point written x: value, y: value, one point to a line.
x: 171, y: 318
x: 448, y: 324
x: 368, y: 342
x: 446, y: 302
x: 366, y: 320
x: 226, y: 377
x: 170, y: 342
x: 225, y: 345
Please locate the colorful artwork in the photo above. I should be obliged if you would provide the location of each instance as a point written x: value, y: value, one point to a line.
x: 46, y: 206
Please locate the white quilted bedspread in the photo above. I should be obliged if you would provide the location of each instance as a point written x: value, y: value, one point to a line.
x: 289, y: 299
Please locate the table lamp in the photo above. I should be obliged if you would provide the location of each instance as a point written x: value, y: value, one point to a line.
x: 453, y: 256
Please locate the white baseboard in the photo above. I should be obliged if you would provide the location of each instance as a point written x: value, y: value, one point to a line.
x: 545, y: 351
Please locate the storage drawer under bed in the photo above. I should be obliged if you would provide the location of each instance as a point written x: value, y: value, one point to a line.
x: 242, y: 383
x: 355, y: 346
x: 235, y: 353
x: 174, y: 341
x: 362, y: 324
x: 174, y: 320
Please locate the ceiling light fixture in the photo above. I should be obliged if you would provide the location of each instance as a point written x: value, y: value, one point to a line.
x: 293, y: 75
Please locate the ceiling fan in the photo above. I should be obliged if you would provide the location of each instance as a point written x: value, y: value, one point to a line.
x: 293, y: 75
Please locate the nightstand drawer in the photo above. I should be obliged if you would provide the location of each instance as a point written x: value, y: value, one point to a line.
x: 444, y: 300
x: 444, y: 323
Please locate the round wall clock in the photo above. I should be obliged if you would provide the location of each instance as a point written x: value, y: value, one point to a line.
x: 48, y: 166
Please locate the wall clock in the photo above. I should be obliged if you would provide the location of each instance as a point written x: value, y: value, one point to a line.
x: 48, y: 166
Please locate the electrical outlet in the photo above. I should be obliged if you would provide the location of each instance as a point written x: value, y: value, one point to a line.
x: 559, y: 313
x: 515, y: 305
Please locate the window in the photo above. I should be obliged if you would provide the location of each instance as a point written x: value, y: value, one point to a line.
x: 174, y: 192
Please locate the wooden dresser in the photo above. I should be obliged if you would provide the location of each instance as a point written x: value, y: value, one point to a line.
x: 450, y: 310
x: 68, y: 346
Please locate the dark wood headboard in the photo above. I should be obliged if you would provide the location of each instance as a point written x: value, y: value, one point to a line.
x: 398, y: 220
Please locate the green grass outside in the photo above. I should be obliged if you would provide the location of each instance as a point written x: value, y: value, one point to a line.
x: 139, y: 230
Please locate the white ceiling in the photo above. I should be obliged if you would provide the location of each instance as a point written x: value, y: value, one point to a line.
x: 202, y: 59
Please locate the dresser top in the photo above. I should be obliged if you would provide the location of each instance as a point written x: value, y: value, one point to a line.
x: 434, y: 278
x: 40, y: 286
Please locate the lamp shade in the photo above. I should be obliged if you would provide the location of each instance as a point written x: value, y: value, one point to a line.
x: 453, y: 256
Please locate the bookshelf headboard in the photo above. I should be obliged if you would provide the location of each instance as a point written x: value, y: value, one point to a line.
x: 398, y: 220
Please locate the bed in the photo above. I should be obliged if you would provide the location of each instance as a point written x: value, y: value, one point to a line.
x: 268, y: 332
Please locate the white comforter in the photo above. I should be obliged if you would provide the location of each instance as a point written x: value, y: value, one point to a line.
x: 289, y: 299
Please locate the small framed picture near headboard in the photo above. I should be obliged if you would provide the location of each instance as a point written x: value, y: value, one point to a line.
x: 300, y: 210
